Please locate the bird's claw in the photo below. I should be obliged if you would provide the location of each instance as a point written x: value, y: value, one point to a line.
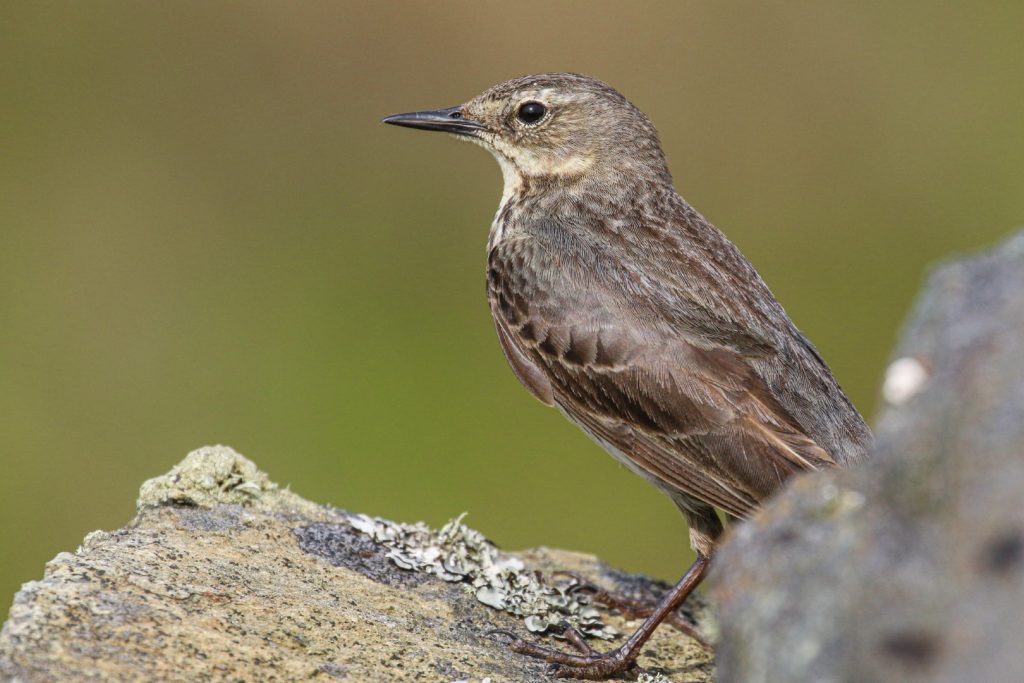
x: 599, y: 669
x: 589, y: 664
x: 631, y: 608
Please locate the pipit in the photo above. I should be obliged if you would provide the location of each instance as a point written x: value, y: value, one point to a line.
x: 619, y: 304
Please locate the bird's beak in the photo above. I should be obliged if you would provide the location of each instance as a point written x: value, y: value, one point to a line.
x: 451, y: 120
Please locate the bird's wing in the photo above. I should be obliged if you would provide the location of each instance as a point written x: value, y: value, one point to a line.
x: 528, y: 373
x: 693, y: 417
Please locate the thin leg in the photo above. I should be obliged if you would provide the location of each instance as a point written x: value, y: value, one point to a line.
x: 596, y: 666
x: 577, y: 640
x: 633, y: 608
x: 642, y: 609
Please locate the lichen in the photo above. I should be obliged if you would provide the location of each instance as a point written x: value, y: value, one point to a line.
x: 207, y: 476
x: 457, y: 553
x: 218, y: 475
x: 652, y: 678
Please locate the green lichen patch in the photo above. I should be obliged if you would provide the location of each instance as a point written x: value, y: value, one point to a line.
x: 457, y: 553
x: 218, y: 475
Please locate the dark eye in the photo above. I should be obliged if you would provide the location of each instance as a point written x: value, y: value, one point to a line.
x: 531, y: 112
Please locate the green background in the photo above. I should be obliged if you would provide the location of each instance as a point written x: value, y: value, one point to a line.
x: 208, y: 236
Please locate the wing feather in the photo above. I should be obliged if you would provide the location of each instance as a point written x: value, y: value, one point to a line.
x: 691, y: 414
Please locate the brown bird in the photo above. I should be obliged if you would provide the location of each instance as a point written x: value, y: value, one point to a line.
x: 619, y: 304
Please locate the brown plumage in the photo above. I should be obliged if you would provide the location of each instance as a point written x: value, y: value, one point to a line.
x: 617, y: 302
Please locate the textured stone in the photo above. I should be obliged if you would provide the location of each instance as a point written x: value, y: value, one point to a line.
x: 911, y: 567
x: 225, y: 576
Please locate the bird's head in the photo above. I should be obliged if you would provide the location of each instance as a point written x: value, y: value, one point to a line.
x: 557, y: 127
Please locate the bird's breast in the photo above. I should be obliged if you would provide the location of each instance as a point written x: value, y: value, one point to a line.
x: 505, y: 220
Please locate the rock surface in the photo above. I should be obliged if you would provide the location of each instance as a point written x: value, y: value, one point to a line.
x: 910, y: 568
x: 224, y: 576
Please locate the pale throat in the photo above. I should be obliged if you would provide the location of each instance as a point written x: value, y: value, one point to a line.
x: 513, y: 183
x: 516, y: 171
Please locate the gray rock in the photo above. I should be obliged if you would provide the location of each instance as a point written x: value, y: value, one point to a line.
x: 911, y: 567
x: 225, y: 576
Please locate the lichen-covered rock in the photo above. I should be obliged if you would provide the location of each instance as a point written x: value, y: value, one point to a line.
x: 224, y: 576
x: 216, y: 475
x: 456, y: 553
x: 911, y: 567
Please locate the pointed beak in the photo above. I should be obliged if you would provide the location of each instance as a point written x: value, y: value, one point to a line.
x: 451, y: 120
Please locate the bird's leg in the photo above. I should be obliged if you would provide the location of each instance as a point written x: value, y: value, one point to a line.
x: 592, y: 665
x: 634, y: 608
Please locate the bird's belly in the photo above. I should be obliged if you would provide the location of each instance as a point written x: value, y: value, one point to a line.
x: 614, y: 451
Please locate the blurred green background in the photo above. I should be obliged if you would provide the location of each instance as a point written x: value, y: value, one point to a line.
x: 208, y: 236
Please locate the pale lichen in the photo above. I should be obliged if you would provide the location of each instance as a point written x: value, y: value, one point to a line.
x: 207, y: 476
x: 458, y: 553
x: 652, y: 678
x: 218, y: 475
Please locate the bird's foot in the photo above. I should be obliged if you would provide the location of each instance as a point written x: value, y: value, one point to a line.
x: 634, y: 608
x: 594, y: 665
x: 589, y: 664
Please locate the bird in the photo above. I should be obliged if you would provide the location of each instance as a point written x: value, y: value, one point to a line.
x: 620, y: 305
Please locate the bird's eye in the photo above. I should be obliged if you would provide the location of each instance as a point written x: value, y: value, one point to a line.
x: 531, y: 112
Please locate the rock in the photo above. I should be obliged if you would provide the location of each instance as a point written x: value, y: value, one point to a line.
x: 911, y: 567
x: 223, y: 575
